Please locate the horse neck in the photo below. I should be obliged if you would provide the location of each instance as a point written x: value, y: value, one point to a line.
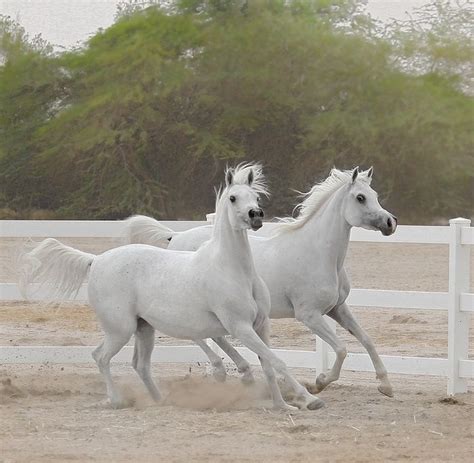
x: 327, y: 232
x: 231, y: 245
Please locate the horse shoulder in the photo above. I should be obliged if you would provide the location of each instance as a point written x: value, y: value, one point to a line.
x: 225, y: 282
x: 321, y: 294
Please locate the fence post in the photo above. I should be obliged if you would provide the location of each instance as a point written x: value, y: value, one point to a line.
x: 458, y: 322
x: 322, y: 350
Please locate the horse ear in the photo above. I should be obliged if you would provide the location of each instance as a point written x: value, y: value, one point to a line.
x: 229, y: 177
x: 355, y: 173
x: 370, y: 172
x: 250, y: 178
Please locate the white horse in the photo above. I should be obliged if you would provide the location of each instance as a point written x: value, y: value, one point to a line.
x: 215, y: 291
x: 302, y: 263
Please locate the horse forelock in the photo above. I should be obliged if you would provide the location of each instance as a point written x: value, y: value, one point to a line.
x: 240, y: 176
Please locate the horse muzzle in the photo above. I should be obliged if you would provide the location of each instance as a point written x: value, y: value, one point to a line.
x: 388, y: 225
x: 256, y: 218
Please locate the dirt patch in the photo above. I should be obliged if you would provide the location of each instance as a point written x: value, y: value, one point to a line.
x: 199, y: 393
x: 60, y: 415
x: 9, y: 391
x: 451, y: 401
x: 404, y: 319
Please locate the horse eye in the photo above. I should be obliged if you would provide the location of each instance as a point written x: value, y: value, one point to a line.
x: 232, y: 199
x: 258, y: 199
x: 361, y: 198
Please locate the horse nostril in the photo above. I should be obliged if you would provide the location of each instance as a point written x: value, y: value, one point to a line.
x: 389, y: 222
x: 253, y: 213
x: 261, y: 213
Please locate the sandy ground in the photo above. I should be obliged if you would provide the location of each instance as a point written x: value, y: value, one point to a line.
x: 55, y: 412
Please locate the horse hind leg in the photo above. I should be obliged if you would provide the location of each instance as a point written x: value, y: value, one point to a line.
x: 242, y: 365
x: 316, y: 323
x: 144, y: 344
x: 219, y: 372
x: 344, y: 317
x: 113, y: 342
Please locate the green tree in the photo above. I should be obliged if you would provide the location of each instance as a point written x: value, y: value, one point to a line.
x: 30, y: 90
x: 145, y: 116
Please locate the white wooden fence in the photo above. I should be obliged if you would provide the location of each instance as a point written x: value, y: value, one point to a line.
x: 458, y: 301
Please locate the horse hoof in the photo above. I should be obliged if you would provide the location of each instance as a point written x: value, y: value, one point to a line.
x: 316, y: 404
x: 247, y: 379
x: 386, y: 390
x: 219, y: 375
x: 156, y: 396
x: 118, y: 404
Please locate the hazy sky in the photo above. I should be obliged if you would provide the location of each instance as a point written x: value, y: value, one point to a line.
x: 67, y: 22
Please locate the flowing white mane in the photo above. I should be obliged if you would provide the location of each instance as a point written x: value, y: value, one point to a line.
x: 317, y: 197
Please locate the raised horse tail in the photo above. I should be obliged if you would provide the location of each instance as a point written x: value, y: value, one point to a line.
x: 145, y: 230
x: 59, y: 267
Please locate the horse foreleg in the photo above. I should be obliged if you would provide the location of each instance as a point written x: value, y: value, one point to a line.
x: 344, y: 317
x: 278, y: 401
x: 247, y: 335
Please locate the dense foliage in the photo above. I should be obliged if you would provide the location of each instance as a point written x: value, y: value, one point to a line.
x: 145, y: 116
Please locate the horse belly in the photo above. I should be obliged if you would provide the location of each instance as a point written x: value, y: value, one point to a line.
x: 184, y: 322
x: 281, y: 308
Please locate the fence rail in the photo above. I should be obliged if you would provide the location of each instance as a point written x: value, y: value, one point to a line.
x: 114, y: 229
x: 458, y: 302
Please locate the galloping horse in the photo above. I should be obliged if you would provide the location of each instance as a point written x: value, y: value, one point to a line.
x: 302, y: 263
x: 215, y: 291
